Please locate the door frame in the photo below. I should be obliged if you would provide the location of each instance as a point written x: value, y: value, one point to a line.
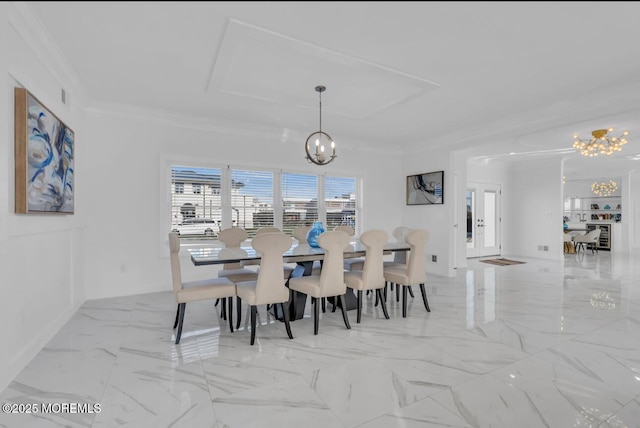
x: 480, y: 189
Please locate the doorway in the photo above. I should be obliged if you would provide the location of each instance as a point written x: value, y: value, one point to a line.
x: 483, y: 219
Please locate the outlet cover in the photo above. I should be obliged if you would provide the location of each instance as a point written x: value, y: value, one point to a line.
x: 434, y: 258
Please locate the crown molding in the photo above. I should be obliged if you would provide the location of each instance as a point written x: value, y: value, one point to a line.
x: 32, y: 30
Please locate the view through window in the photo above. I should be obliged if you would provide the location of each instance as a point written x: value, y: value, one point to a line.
x: 207, y: 200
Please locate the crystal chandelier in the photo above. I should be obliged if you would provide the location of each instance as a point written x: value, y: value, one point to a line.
x: 600, y: 143
x: 604, y: 189
x: 319, y: 154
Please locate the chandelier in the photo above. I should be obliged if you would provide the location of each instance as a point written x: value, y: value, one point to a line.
x: 604, y: 189
x: 319, y: 154
x: 600, y: 143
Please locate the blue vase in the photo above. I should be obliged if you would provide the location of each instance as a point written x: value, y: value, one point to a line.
x: 313, y: 233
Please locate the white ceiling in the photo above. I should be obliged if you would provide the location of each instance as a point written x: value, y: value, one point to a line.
x: 489, y: 77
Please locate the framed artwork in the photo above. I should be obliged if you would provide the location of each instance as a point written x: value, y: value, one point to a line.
x: 44, y: 153
x: 425, y: 189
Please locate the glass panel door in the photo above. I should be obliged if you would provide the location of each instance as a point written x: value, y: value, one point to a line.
x: 483, y: 220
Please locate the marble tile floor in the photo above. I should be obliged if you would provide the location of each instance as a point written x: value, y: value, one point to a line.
x: 541, y: 344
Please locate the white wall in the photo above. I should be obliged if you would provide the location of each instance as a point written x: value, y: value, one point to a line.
x: 439, y: 220
x: 127, y: 154
x: 40, y: 255
x: 114, y: 244
x: 631, y: 216
x: 533, y: 209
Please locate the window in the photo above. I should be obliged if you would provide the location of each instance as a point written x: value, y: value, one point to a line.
x: 197, y: 204
x: 340, y: 202
x: 252, y: 199
x: 299, y: 201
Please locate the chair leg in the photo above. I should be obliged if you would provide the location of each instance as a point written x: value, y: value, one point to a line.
x: 404, y: 300
x: 316, y: 315
x: 398, y: 292
x: 223, y: 309
x: 359, y: 303
x: 175, y: 323
x: 324, y: 305
x: 377, y: 297
x: 343, y: 306
x: 254, y: 311
x: 411, y: 292
x: 285, y: 314
x: 217, y: 301
x: 382, y: 303
x: 424, y: 297
x: 230, y: 301
x: 182, y: 309
x: 238, y: 311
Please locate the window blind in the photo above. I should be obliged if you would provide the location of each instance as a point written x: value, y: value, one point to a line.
x: 299, y: 201
x: 340, y: 199
x: 252, y: 199
x: 195, y: 197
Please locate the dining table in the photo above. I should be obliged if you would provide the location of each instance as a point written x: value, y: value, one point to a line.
x: 302, y: 254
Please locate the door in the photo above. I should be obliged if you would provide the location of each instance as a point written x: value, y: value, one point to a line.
x: 483, y: 220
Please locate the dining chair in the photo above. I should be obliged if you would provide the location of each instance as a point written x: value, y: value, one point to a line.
x: 330, y: 281
x: 233, y: 237
x: 399, y: 259
x: 300, y: 234
x: 192, y: 291
x: 589, y: 240
x: 371, y: 277
x: 355, y: 263
x: 265, y: 229
x: 414, y: 272
x: 269, y: 287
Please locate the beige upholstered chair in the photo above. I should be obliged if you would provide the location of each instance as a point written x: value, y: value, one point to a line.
x: 233, y: 237
x: 269, y: 288
x: 590, y: 240
x: 371, y: 277
x: 330, y: 282
x: 300, y: 234
x: 399, y: 257
x: 266, y: 229
x: 356, y: 263
x: 414, y: 272
x: 191, y: 291
x: 347, y: 229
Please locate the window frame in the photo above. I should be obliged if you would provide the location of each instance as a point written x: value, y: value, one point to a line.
x: 226, y: 173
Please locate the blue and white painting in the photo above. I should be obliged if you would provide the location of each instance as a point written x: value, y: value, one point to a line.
x: 50, y: 146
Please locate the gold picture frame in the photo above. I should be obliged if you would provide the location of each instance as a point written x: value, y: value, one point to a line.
x: 44, y: 158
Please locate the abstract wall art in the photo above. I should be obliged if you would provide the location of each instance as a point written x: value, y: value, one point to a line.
x: 425, y: 189
x: 44, y: 154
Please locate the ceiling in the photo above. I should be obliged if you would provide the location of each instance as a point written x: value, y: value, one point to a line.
x: 491, y: 78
